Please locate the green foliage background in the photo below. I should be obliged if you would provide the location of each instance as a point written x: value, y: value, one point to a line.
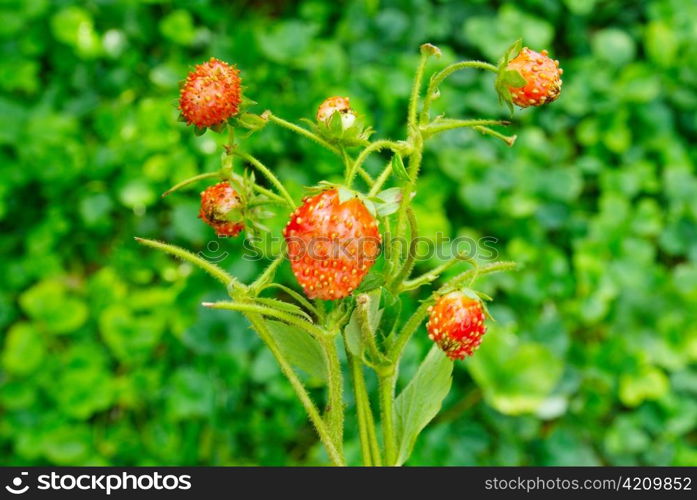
x: 106, y: 356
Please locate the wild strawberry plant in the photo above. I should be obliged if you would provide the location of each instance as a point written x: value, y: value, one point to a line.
x: 341, y: 243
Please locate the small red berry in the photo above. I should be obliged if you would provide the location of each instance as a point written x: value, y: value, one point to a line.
x: 220, y: 206
x: 456, y: 324
x: 211, y: 94
x: 542, y: 76
x: 331, y: 245
x: 336, y: 104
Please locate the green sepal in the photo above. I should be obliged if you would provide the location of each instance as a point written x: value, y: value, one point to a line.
x: 333, y: 131
x: 388, y: 201
x: 250, y: 121
x: 398, y: 167
x: 218, y: 127
x: 506, y: 78
x: 512, y: 78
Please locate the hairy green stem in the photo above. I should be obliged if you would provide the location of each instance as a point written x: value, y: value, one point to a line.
x: 226, y: 279
x: 301, y: 131
x: 408, y: 330
x: 357, y: 377
x: 380, y: 181
x: 192, y: 180
x: 439, y: 126
x: 291, y: 319
x: 268, y: 274
x: 465, y: 277
x: 299, y: 298
x: 508, y: 139
x: 370, y: 148
x: 334, y: 452
x: 415, y: 90
x: 413, y: 172
x: 386, y: 384
x: 269, y: 175
x: 335, y: 408
x: 438, y: 78
x: 410, y: 261
x: 367, y: 333
x: 433, y: 274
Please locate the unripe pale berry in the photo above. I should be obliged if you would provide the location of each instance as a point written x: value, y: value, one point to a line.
x: 211, y: 94
x: 336, y: 104
x: 542, y: 76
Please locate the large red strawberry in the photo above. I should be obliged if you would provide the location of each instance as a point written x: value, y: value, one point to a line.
x: 220, y: 209
x: 542, y: 77
x: 456, y: 324
x: 331, y: 245
x: 211, y: 94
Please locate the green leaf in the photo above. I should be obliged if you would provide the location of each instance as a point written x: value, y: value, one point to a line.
x: 398, y: 167
x: 517, y: 377
x: 421, y: 400
x: 374, y: 279
x: 301, y: 350
x: 50, y: 303
x: 24, y: 349
x: 283, y: 306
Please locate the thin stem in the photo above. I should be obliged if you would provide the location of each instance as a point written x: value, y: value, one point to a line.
x: 438, y: 78
x: 226, y: 279
x: 413, y: 173
x: 302, y: 131
x: 335, y: 455
x: 415, y: 89
x: 299, y: 298
x: 235, y: 178
x: 508, y: 139
x: 372, y: 147
x: 386, y: 388
x: 335, y: 409
x: 380, y: 181
x: 192, y: 180
x: 433, y: 274
x: 412, y: 324
x: 465, y: 277
x: 272, y: 313
x: 365, y: 176
x: 357, y: 377
x: 439, y: 126
x: 268, y: 274
x: 367, y: 333
x: 269, y: 175
x: 410, y: 261
x: 372, y: 432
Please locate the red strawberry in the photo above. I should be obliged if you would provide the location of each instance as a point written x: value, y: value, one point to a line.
x: 211, y: 94
x: 542, y: 76
x: 331, y: 245
x: 220, y: 209
x: 456, y: 324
